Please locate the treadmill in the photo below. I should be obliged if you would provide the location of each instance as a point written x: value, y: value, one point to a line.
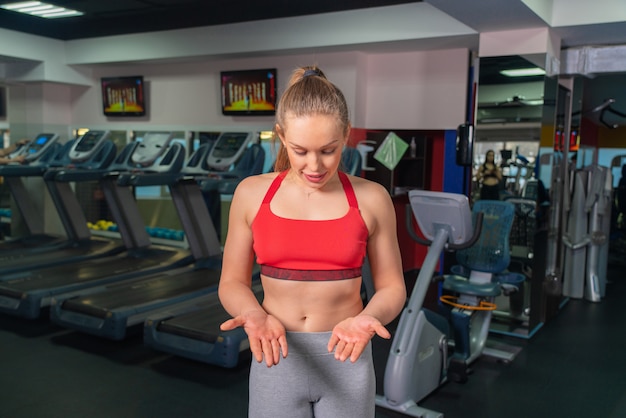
x: 94, y: 151
x: 123, y: 307
x: 37, y: 153
x: 192, y: 330
x: 25, y: 293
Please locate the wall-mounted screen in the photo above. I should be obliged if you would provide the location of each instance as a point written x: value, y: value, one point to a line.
x: 123, y: 96
x: 249, y: 92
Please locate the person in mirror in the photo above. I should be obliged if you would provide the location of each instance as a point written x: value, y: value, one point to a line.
x: 6, y: 152
x: 489, y: 176
x: 310, y: 226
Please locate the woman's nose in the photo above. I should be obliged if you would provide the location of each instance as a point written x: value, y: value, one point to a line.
x: 313, y: 160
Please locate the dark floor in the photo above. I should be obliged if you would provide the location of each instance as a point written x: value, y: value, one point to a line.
x: 573, y: 367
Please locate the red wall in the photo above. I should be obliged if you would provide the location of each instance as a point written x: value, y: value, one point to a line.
x: 412, y: 253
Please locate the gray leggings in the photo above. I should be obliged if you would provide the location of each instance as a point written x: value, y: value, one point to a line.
x: 311, y: 383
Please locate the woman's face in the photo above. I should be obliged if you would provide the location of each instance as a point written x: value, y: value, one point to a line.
x: 314, y: 145
x: 490, y: 156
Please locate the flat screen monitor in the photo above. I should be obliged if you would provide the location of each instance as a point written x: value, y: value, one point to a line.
x: 248, y: 92
x: 123, y: 96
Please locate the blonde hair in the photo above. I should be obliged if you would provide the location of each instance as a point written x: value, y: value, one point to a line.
x: 308, y: 93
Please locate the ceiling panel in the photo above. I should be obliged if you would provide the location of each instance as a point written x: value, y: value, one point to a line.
x: 116, y: 17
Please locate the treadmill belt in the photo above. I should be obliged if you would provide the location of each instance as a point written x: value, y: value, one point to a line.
x: 203, y: 324
x: 28, y: 260
x: 144, y: 290
x: 84, y: 271
x: 30, y: 242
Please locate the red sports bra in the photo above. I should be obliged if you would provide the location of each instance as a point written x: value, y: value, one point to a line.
x: 311, y: 250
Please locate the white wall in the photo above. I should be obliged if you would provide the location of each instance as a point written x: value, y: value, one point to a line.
x: 417, y: 90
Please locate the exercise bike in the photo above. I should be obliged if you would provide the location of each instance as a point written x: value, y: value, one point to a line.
x: 430, y: 348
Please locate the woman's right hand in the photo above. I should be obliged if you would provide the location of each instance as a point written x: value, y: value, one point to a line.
x: 265, y: 333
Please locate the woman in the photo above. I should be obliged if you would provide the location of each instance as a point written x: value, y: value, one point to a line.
x: 310, y: 226
x: 489, y: 176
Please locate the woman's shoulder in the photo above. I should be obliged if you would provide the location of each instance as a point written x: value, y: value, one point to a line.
x: 254, y: 186
x: 368, y: 191
x: 258, y: 179
x: 366, y: 184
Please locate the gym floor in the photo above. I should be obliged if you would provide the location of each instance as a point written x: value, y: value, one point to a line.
x: 572, y: 367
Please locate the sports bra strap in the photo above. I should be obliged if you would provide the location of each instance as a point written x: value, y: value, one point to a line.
x: 347, y: 187
x: 274, y: 186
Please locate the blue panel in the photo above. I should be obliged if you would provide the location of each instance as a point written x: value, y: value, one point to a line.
x: 453, y: 178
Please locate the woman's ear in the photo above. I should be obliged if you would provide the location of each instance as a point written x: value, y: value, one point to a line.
x: 280, y: 133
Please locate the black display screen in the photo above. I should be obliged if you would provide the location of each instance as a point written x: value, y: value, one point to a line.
x: 87, y: 142
x: 123, y: 96
x: 248, y: 92
x: 228, y: 145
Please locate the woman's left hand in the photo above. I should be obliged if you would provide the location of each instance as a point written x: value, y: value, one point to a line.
x: 351, y: 336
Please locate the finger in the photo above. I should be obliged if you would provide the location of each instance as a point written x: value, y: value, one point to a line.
x: 332, y: 342
x: 339, y: 349
x: 357, y: 351
x: 267, y: 351
x: 275, y: 351
x: 346, y: 352
x: 382, y: 332
x: 282, y: 341
x: 232, y: 324
x: 256, y: 349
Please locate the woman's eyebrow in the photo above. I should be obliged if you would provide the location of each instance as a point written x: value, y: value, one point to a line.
x: 332, y: 142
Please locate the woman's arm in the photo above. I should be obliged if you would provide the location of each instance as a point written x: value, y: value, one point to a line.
x: 8, y: 150
x: 385, y: 262
x: 6, y: 160
x: 265, y: 333
x: 480, y: 172
x: 498, y: 172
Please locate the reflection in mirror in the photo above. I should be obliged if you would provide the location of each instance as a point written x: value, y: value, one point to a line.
x: 509, y: 121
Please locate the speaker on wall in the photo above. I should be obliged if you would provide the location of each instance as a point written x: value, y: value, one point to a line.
x: 464, y: 144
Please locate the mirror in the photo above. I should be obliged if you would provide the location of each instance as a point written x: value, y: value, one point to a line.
x: 508, y: 121
x: 512, y: 117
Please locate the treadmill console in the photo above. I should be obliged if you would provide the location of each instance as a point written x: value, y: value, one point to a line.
x: 38, y: 147
x: 88, y: 145
x: 152, y: 146
x: 228, y: 148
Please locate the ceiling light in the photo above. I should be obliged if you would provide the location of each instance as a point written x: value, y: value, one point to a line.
x: 63, y: 13
x: 36, y: 7
x: 523, y: 72
x: 45, y: 11
x: 40, y: 9
x: 22, y: 4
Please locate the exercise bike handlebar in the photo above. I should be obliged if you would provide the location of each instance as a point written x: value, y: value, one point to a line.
x: 449, y: 246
